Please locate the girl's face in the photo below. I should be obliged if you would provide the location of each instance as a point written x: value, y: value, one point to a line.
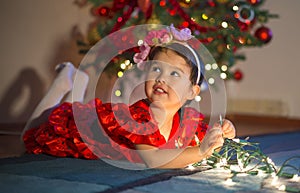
x: 168, y: 82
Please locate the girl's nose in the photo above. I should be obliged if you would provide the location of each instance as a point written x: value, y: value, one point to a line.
x: 160, y: 78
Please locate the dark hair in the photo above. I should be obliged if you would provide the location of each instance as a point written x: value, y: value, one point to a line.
x: 187, y: 55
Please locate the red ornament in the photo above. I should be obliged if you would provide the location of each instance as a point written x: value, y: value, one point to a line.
x: 172, y: 12
x: 243, y: 26
x: 162, y: 3
x: 254, y: 2
x: 102, y: 11
x: 211, y: 3
x: 119, y: 4
x: 264, y: 34
x: 185, y: 24
x: 238, y: 75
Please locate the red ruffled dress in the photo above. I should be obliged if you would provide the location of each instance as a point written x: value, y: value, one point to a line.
x: 105, y: 130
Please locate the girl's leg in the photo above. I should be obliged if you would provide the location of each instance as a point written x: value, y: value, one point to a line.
x: 77, y: 94
x: 61, y: 85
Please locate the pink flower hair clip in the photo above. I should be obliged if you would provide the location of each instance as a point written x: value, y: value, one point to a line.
x: 160, y: 37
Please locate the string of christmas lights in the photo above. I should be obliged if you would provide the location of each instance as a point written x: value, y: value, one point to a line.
x: 242, y: 157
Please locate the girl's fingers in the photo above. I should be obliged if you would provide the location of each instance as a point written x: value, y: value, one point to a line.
x: 215, y: 131
x: 217, y: 143
x: 228, y: 129
x: 227, y: 124
x: 212, y: 141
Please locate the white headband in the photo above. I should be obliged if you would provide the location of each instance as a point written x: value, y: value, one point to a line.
x: 197, y: 61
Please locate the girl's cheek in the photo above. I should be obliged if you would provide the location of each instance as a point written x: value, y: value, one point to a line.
x: 150, y: 76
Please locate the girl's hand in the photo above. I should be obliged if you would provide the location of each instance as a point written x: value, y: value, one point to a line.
x: 228, y: 129
x: 213, y: 139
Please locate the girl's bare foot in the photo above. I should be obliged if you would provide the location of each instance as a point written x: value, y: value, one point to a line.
x: 64, y: 80
x: 80, y: 81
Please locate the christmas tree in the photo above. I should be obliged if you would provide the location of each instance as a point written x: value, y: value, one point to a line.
x: 223, y: 26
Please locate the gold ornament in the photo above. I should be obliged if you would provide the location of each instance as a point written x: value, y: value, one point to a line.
x: 81, y: 3
x: 153, y: 19
x: 222, y: 1
x: 93, y: 35
x: 220, y: 48
x: 186, y: 3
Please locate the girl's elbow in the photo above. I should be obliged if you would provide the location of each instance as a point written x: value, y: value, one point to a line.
x: 152, y: 164
x: 157, y: 164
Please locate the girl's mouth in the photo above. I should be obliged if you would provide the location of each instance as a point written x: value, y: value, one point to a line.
x: 159, y: 90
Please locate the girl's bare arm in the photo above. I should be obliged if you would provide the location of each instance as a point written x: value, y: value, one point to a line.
x: 180, y: 158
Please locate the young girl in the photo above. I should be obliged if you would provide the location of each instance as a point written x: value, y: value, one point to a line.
x: 158, y: 131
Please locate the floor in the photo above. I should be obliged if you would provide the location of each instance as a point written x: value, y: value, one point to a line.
x: 246, y: 125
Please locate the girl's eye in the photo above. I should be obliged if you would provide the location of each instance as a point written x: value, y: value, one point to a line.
x: 156, y: 69
x: 174, y: 73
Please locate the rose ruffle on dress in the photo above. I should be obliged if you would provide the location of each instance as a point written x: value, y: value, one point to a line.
x: 105, y: 130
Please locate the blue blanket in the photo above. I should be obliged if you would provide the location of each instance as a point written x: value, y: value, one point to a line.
x: 42, y: 173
